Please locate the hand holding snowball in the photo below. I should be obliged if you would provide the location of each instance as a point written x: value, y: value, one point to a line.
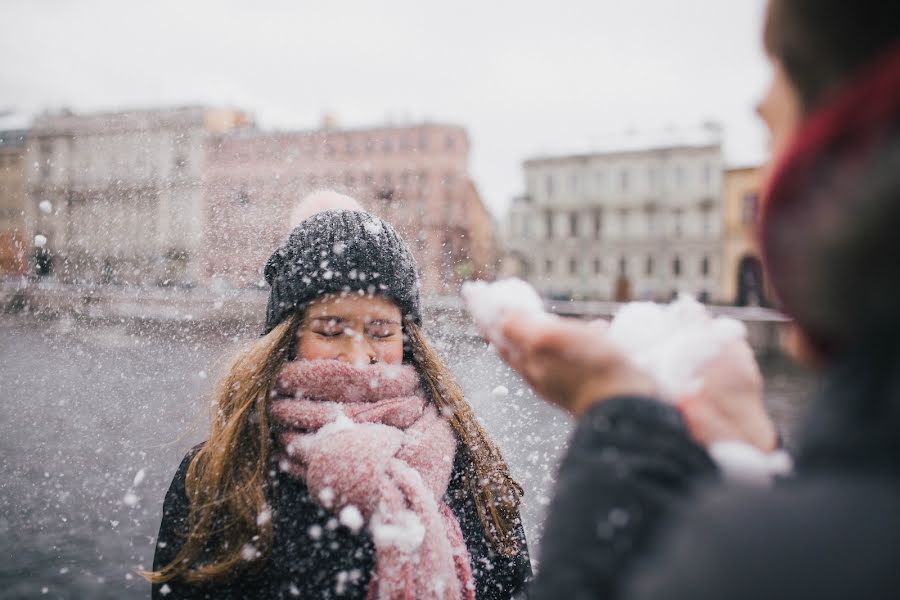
x: 568, y: 363
x: 728, y: 406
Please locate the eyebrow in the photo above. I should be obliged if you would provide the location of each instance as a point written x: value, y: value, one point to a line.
x: 344, y: 320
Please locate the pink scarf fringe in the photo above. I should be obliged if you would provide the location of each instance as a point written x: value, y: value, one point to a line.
x: 365, y: 437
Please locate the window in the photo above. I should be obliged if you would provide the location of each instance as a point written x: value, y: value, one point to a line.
x: 450, y: 142
x: 707, y: 173
x: 573, y: 184
x: 750, y: 208
x: 598, y: 181
x: 549, y: 184
x: 679, y: 176
x: 677, y: 218
x: 548, y: 266
x: 623, y: 180
x: 598, y: 266
x: 706, y: 215
x: 598, y: 224
x: 649, y: 265
x: 623, y: 266
x: 651, y: 178
x: 623, y: 221
x: 704, y: 266
x: 573, y: 266
x: 573, y: 225
x: 651, y: 221
x: 676, y: 266
x: 548, y: 222
x: 423, y: 141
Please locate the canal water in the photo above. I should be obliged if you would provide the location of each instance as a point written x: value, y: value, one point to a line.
x: 94, y: 420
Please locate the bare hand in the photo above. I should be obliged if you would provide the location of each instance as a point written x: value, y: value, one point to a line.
x: 729, y: 405
x: 569, y: 362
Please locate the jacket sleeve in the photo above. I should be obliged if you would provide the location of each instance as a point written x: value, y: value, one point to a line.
x: 629, y: 462
x: 171, y: 531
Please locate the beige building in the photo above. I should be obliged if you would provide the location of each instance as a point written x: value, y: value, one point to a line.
x: 414, y: 176
x: 14, y: 236
x: 118, y: 197
x: 743, y: 281
x: 636, y: 224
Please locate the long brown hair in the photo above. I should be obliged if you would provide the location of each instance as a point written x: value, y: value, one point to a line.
x: 226, y: 480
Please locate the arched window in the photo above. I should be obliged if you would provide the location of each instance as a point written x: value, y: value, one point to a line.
x: 676, y: 266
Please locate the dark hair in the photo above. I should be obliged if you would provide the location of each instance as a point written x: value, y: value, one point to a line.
x: 821, y: 43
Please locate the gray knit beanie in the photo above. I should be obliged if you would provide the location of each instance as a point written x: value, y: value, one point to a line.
x: 341, y: 251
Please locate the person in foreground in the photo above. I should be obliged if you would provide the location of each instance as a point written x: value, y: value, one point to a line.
x: 342, y: 459
x: 640, y: 511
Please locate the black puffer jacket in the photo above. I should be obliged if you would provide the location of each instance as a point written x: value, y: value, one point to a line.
x: 639, y: 514
x: 315, y: 557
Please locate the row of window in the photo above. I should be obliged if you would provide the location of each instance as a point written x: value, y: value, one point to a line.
x: 590, y: 224
x: 357, y: 145
x: 625, y: 180
x: 649, y: 267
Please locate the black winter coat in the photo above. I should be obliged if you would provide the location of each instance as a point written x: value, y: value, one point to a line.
x: 639, y: 514
x: 315, y: 557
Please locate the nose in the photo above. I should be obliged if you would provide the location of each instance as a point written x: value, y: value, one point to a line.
x: 358, y: 351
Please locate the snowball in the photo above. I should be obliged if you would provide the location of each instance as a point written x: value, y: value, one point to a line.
x: 165, y: 589
x: 672, y: 342
x: 46, y: 207
x: 40, y: 240
x: 326, y: 497
x: 373, y: 226
x: 488, y: 303
x: 139, y: 477
x: 351, y: 517
x: 406, y: 534
x: 501, y: 390
x: 264, y: 516
x: 315, y: 532
x: 130, y: 499
x: 249, y: 552
x: 748, y: 465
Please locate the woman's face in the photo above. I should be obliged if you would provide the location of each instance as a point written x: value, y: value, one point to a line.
x: 780, y: 110
x: 357, y: 329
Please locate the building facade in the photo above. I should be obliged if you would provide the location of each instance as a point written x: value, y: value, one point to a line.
x: 117, y: 198
x: 637, y: 224
x: 14, y: 234
x: 416, y: 177
x: 743, y: 280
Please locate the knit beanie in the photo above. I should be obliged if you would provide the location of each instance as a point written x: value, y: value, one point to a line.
x: 341, y: 251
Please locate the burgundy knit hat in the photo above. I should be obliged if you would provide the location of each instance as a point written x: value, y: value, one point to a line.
x: 829, y: 225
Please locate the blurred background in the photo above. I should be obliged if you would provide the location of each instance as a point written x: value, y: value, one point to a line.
x: 152, y: 156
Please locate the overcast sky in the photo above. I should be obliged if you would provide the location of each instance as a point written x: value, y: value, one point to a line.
x: 525, y: 78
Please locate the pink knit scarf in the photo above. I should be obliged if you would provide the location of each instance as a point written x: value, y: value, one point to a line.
x: 372, y: 450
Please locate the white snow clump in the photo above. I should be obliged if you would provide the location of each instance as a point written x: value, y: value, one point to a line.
x: 406, y: 534
x: 672, y: 342
x: 40, y: 240
x: 351, y: 518
x: 745, y: 464
x: 488, y: 303
x: 46, y: 207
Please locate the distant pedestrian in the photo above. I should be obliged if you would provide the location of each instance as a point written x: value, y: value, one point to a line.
x: 343, y: 460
